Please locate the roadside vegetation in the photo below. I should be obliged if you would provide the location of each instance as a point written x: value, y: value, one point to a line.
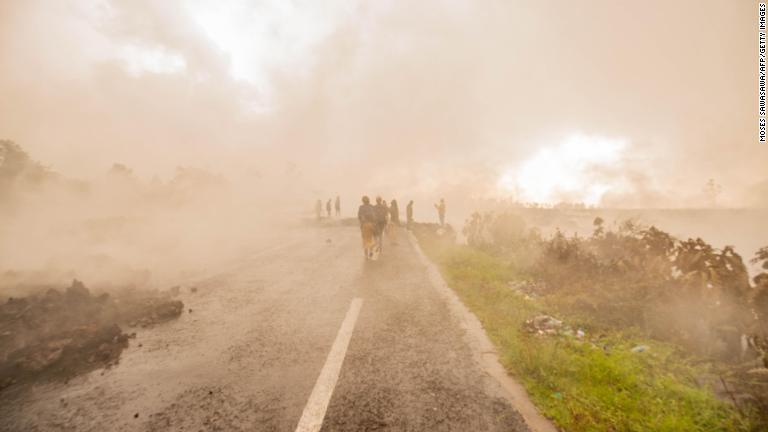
x: 628, y: 329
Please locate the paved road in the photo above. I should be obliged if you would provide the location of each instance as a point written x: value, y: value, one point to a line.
x: 249, y: 355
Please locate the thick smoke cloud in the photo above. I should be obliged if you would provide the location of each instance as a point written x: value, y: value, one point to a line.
x: 398, y: 96
x: 494, y: 82
x: 439, y: 98
x: 269, y: 106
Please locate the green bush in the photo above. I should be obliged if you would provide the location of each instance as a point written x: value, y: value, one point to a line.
x: 632, y: 285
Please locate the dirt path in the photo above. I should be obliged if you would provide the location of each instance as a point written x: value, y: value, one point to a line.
x: 249, y: 354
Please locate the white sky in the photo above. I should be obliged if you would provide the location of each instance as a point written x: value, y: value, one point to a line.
x: 261, y: 35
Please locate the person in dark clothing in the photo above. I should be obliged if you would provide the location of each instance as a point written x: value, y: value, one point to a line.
x: 382, y: 212
x: 409, y: 213
x: 366, y: 215
x: 394, y: 213
x: 394, y: 222
x: 337, y: 206
x: 328, y: 207
x: 441, y: 211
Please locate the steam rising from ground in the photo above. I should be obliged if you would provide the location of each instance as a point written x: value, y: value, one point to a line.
x: 357, y: 90
x: 119, y: 230
x: 293, y: 102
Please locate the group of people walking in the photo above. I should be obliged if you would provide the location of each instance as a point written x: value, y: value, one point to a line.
x: 319, y: 207
x: 377, y: 219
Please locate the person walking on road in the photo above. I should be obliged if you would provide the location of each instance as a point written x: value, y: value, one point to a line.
x: 394, y: 221
x: 367, y: 218
x: 319, y: 209
x: 328, y: 207
x: 381, y: 212
x: 441, y: 211
x: 409, y: 214
x: 337, y: 206
x: 394, y: 213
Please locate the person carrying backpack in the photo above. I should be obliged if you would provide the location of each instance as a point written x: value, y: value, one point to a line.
x: 366, y: 215
x: 382, y: 214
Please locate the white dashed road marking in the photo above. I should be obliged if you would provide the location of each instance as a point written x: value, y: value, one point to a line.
x: 314, y: 413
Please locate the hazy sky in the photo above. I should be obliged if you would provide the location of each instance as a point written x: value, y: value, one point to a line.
x: 619, y: 102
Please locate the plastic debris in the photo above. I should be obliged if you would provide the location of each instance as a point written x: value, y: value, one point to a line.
x: 543, y: 324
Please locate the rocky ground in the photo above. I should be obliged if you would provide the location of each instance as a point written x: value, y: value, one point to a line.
x: 58, y: 334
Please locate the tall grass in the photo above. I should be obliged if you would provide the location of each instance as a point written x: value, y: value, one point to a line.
x: 592, y: 384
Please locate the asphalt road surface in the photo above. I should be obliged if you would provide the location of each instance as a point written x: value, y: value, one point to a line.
x: 302, y: 334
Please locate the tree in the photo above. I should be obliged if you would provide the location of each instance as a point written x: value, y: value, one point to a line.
x: 16, y: 165
x: 712, y: 190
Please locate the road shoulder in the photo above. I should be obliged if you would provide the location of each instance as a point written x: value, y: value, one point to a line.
x: 482, y: 348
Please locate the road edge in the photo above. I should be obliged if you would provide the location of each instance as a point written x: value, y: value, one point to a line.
x: 483, y: 350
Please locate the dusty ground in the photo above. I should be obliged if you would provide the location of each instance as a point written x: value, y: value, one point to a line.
x: 249, y: 353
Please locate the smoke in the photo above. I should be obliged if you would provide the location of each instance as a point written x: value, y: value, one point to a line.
x: 462, y: 84
x: 372, y: 88
x: 293, y: 102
